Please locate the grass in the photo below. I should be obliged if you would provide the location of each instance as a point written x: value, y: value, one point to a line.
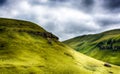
x: 28, y: 53
x: 104, y: 46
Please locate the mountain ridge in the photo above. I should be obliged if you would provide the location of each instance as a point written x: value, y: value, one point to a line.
x: 97, y: 45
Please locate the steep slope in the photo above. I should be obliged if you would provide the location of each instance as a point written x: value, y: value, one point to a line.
x: 104, y: 46
x: 26, y: 48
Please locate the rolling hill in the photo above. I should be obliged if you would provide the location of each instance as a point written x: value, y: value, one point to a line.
x: 26, y: 48
x: 103, y: 46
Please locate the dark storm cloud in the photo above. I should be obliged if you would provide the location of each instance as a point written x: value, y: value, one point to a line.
x: 83, y: 5
x: 2, y: 2
x: 88, y: 3
x: 59, y: 0
x: 108, y: 22
x: 112, y: 4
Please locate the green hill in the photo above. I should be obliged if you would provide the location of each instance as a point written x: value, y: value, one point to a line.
x: 26, y: 48
x: 103, y: 46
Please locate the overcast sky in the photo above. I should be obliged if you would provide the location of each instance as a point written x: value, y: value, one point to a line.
x: 66, y: 18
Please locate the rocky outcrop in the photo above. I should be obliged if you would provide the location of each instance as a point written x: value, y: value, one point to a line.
x: 109, y: 44
x: 43, y: 34
x: 107, y: 65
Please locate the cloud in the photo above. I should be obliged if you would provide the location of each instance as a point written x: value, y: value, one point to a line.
x: 112, y: 4
x: 64, y: 18
x: 2, y: 2
x: 107, y: 19
x: 88, y: 3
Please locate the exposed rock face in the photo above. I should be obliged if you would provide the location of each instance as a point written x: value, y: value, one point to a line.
x: 43, y: 34
x: 110, y: 44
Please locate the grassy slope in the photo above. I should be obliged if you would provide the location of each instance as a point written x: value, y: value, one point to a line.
x: 100, y: 46
x: 28, y: 53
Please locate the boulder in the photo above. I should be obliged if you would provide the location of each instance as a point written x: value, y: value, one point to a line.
x: 107, y: 65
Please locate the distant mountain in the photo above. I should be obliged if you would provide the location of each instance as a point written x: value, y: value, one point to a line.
x: 103, y: 46
x: 26, y: 48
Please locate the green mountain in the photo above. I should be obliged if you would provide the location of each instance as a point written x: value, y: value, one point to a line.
x: 26, y: 48
x: 103, y: 46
